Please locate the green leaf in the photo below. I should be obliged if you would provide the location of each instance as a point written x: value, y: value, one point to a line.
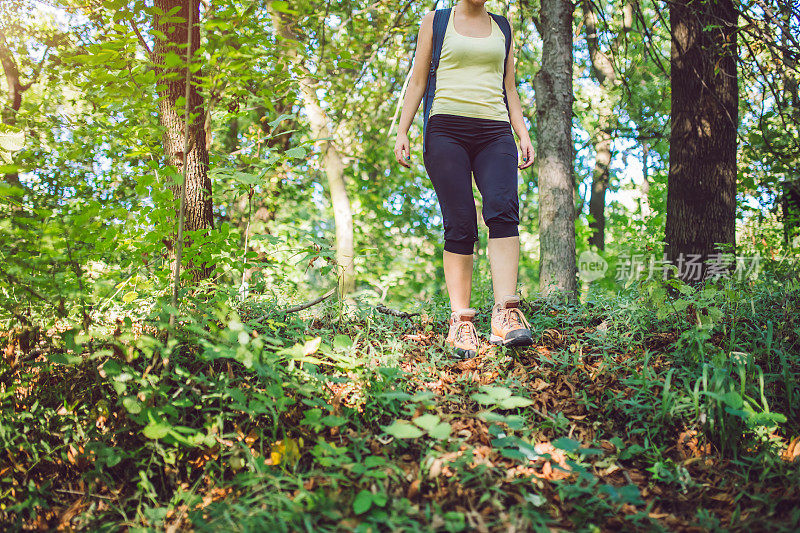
x: 484, y: 399
x: 402, y: 430
x: 130, y: 296
x: 590, y: 451
x: 156, y: 430
x: 379, y: 499
x: 732, y: 399
x: 311, y: 346
x: 680, y: 304
x: 427, y: 421
x: 395, y: 395
x: 333, y: 420
x: 422, y: 396
x: 282, y: 117
x: 515, y: 422
x: 342, y: 342
x: 514, y: 402
x: 65, y: 359
x: 767, y: 419
x: 362, y: 502
x: 440, y: 431
x: 498, y: 393
x: 511, y: 453
x: 133, y: 405
x: 631, y: 451
x: 568, y: 445
x: 172, y: 60
x: 297, y: 151
x: 374, y: 460
x: 112, y: 368
x: 283, y: 7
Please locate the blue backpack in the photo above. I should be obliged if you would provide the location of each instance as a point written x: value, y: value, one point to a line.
x: 440, y: 20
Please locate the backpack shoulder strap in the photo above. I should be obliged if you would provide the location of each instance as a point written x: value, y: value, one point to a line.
x: 505, y: 27
x: 440, y: 19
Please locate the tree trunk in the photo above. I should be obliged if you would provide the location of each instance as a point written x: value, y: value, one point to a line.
x: 790, y: 185
x: 603, y: 72
x: 332, y: 163
x: 600, y: 177
x: 644, y: 190
x: 334, y: 170
x: 15, y: 90
x: 790, y: 210
x: 701, y: 187
x: 173, y: 80
x: 553, y: 88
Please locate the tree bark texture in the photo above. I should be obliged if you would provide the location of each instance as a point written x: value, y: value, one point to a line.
x: 701, y: 187
x: 15, y: 90
x: 199, y: 205
x: 790, y: 185
x: 790, y: 210
x: 332, y: 162
x: 553, y: 89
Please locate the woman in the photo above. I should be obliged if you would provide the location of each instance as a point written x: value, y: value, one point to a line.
x: 468, y: 131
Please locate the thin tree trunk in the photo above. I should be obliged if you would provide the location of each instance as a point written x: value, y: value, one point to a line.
x: 198, y: 184
x: 332, y: 163
x: 603, y: 72
x: 701, y: 187
x: 644, y: 190
x: 15, y: 91
x: 334, y: 170
x: 600, y: 178
x: 790, y: 186
x: 553, y: 87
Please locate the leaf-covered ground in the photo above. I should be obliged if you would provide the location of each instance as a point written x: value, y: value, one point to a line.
x: 365, y: 421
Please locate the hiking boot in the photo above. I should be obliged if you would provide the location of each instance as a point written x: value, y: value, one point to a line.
x: 509, y: 327
x: 462, y: 335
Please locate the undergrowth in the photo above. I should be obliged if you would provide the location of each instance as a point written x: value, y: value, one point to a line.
x: 665, y: 406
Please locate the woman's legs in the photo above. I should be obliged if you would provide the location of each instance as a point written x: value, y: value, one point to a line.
x: 504, y: 262
x: 458, y: 277
x: 447, y: 161
x: 495, y: 169
x: 456, y: 148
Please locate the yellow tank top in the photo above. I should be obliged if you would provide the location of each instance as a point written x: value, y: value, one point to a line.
x: 469, y: 80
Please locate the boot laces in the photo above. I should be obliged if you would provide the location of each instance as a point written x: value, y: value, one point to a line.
x: 466, y: 332
x: 513, y: 317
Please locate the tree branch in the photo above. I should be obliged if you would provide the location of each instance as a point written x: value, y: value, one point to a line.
x: 306, y: 305
x: 141, y: 39
x: 394, y: 312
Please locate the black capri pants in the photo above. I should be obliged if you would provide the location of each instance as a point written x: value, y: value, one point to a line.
x: 457, y: 147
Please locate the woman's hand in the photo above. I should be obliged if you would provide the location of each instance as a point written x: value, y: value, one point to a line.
x: 527, y: 153
x: 402, y: 152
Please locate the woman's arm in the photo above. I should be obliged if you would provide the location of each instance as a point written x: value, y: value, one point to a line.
x: 515, y: 111
x: 416, y: 89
